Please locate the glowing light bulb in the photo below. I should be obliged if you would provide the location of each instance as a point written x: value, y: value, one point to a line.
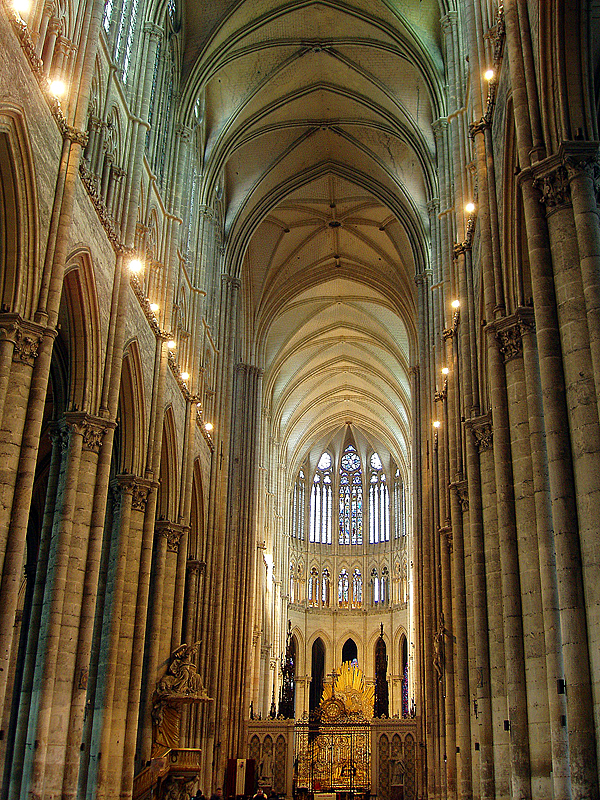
x: 470, y: 208
x: 436, y: 424
x: 445, y: 370
x: 456, y: 304
x: 21, y: 6
x: 208, y: 426
x: 489, y: 74
x: 154, y: 307
x: 171, y: 344
x: 135, y: 265
x: 57, y: 88
x: 185, y: 376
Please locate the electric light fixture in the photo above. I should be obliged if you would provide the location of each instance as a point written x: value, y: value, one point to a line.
x: 456, y: 304
x: 436, y: 424
x: 185, y: 376
x: 135, y: 265
x: 57, y: 88
x: 445, y: 370
x: 470, y: 208
x: 154, y: 307
x: 171, y: 344
x: 208, y: 426
x: 489, y: 75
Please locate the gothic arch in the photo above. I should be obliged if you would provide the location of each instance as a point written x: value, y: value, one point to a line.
x: 80, y: 312
x: 168, y: 493
x: 19, y: 273
x: 132, y: 412
x: 196, y: 543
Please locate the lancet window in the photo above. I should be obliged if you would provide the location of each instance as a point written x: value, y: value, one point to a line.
x: 313, y: 588
x: 325, y: 589
x: 343, y: 589
x: 297, y: 508
x: 321, y: 502
x: 357, y: 589
x: 351, y: 498
x: 379, y: 503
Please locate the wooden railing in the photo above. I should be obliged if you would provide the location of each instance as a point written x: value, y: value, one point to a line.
x: 183, y: 761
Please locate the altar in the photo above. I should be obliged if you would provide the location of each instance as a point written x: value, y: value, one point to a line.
x: 340, y: 752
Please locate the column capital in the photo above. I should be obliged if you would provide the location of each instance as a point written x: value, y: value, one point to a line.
x: 509, y: 331
x: 482, y: 431
x: 462, y: 492
x: 91, y: 428
x: 171, y: 532
x: 26, y: 337
x: 230, y: 280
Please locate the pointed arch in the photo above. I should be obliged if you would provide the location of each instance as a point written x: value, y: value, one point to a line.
x: 19, y: 269
x: 196, y: 543
x: 132, y: 412
x: 80, y: 325
x: 168, y: 494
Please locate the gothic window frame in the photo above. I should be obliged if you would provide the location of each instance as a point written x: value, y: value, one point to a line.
x: 379, y: 501
x: 313, y: 588
x: 321, y: 501
x: 357, y: 589
x: 350, y: 497
x: 298, y: 510
x: 343, y: 589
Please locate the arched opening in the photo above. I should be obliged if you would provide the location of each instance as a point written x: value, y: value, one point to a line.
x: 317, y: 673
x: 350, y: 652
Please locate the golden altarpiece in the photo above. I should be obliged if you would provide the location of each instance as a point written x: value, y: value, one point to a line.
x: 340, y: 750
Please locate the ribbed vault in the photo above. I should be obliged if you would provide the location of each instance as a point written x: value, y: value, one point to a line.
x: 318, y: 141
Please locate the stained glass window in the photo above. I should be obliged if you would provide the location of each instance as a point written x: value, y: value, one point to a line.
x: 343, y: 589
x: 321, y: 503
x: 379, y: 503
x: 374, y: 587
x: 325, y: 589
x: 356, y: 589
x: 351, y: 498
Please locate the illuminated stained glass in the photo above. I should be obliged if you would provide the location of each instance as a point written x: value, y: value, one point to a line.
x: 351, y: 498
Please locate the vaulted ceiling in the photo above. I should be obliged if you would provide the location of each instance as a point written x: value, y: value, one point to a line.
x: 319, y: 139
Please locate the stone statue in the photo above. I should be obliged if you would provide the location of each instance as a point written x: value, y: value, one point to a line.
x: 180, y: 685
x: 182, y: 676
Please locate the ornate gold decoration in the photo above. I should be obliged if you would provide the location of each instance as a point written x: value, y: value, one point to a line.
x: 348, y: 697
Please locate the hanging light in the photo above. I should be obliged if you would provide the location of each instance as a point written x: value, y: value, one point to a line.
x: 445, y: 370
x: 185, y: 376
x: 171, y: 344
x: 456, y: 304
x: 154, y: 307
x: 489, y: 75
x: 470, y: 208
x: 436, y: 424
x: 208, y: 426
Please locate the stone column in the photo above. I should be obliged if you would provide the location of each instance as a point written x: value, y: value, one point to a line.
x: 508, y: 335
x: 39, y: 733
x: 482, y: 709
